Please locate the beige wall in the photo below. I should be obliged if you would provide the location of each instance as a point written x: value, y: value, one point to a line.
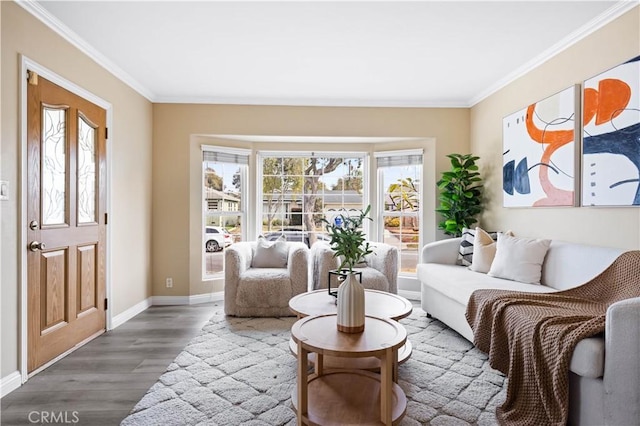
x: 129, y: 148
x: 173, y: 151
x: 605, y: 48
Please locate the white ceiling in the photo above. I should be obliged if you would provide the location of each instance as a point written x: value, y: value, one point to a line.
x: 420, y: 53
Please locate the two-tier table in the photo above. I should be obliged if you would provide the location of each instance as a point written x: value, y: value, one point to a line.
x: 333, y: 397
x: 378, y: 304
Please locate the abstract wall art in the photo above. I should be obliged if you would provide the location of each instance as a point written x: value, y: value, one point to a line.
x: 611, y: 137
x: 540, y: 152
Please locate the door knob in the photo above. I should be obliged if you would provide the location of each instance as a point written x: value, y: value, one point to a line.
x: 35, y: 246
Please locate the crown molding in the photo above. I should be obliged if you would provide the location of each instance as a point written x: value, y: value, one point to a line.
x: 615, y: 11
x: 66, y: 33
x: 309, y: 102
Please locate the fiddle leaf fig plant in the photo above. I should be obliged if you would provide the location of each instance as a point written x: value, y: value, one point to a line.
x: 348, y: 239
x: 460, y: 194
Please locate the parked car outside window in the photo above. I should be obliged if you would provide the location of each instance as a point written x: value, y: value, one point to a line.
x: 216, y: 238
x: 293, y: 234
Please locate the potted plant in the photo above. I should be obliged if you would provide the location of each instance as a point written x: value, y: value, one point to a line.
x: 461, y: 194
x: 348, y: 239
x: 349, y: 245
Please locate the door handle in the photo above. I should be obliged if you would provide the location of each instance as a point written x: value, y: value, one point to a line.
x: 35, y: 246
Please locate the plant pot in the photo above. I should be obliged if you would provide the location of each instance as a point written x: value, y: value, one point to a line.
x: 350, y: 317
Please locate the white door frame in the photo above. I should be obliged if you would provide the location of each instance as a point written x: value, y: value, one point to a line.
x: 28, y: 64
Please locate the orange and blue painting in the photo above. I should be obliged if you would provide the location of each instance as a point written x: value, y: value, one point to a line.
x: 611, y: 137
x: 540, y: 152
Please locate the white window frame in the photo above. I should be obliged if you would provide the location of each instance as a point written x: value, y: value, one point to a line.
x: 381, y: 198
x: 244, y: 199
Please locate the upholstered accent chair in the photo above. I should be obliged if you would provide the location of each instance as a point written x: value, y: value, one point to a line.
x: 260, y: 277
x: 379, y: 273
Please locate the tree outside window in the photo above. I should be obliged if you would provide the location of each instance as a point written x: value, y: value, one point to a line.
x: 298, y: 192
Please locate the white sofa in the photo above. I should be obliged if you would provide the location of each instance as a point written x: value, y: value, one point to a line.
x: 604, y: 382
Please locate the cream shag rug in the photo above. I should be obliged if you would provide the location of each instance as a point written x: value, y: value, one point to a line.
x: 239, y: 371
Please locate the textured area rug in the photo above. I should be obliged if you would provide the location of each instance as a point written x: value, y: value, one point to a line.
x: 239, y: 371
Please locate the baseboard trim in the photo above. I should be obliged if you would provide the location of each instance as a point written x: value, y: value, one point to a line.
x: 125, y: 316
x: 218, y: 296
x: 411, y: 295
x: 188, y: 300
x: 10, y: 383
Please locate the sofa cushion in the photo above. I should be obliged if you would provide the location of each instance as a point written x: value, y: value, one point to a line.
x: 458, y: 282
x: 264, y: 287
x: 467, y: 248
x: 465, y: 251
x: 519, y: 259
x: 484, y: 251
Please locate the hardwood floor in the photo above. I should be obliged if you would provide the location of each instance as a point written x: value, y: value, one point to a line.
x: 100, y: 383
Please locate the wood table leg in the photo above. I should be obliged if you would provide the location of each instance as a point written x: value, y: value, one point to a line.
x: 395, y: 367
x: 319, y: 366
x: 302, y: 384
x: 386, y: 371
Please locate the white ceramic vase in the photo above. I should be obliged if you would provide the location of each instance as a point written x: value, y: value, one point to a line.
x: 351, y: 305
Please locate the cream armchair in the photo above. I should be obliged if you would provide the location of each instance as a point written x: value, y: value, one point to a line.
x: 259, y: 283
x: 379, y: 273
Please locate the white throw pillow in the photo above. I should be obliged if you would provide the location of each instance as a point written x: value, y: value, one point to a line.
x: 270, y: 254
x: 465, y: 251
x: 484, y: 251
x: 519, y: 259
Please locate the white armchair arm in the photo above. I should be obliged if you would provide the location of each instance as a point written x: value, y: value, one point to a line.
x: 622, y: 363
x: 298, y: 266
x: 237, y: 258
x: 385, y: 259
x: 444, y: 251
x: 323, y: 262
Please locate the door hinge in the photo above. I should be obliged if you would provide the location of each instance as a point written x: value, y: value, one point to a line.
x: 106, y: 133
x: 106, y: 218
x: 106, y: 304
x: 32, y: 78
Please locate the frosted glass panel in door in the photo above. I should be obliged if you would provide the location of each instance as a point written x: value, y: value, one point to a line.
x: 54, y: 167
x: 86, y: 172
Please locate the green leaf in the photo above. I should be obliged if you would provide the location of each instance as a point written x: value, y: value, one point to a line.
x: 460, y: 194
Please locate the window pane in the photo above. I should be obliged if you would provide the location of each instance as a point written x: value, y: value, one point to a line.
x: 310, y: 188
x: 220, y: 233
x: 401, y: 201
x: 86, y: 172
x: 223, y: 208
x: 54, y: 166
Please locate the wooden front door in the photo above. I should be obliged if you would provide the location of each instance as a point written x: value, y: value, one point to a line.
x: 66, y: 184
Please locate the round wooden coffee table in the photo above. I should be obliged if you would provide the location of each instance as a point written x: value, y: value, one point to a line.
x: 348, y: 396
x: 377, y: 304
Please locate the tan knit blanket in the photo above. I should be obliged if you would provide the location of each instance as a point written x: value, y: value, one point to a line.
x: 530, y: 337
